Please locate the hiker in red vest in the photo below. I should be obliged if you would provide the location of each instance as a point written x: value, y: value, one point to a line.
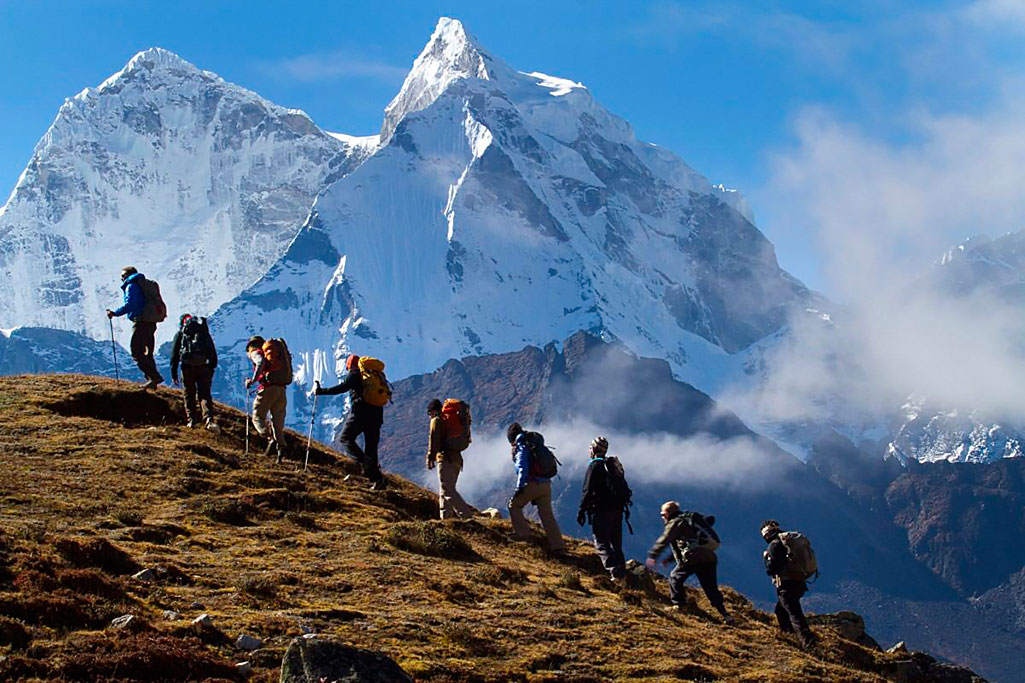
x: 449, y: 437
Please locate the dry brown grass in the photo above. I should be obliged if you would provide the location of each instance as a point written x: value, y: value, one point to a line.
x: 101, y: 479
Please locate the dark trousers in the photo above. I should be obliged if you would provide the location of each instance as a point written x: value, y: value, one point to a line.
x: 708, y: 578
x: 607, y: 527
x: 788, y: 608
x: 360, y: 423
x: 197, y: 380
x: 142, y: 347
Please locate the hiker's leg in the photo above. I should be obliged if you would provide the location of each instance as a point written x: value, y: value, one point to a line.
x: 371, y: 439
x: 601, y: 528
x: 204, y: 383
x: 548, y: 521
x: 616, y: 539
x: 462, y: 508
x: 521, y: 529
x: 141, y: 332
x: 782, y: 616
x: 790, y: 598
x: 261, y: 406
x: 708, y: 578
x: 350, y: 430
x: 278, y: 409
x: 677, y: 578
x: 190, y: 389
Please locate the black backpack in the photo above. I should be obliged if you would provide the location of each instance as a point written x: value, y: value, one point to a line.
x: 706, y: 537
x: 617, y: 490
x: 197, y: 346
x: 543, y: 463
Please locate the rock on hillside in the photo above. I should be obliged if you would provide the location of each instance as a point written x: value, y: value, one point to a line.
x: 100, y: 481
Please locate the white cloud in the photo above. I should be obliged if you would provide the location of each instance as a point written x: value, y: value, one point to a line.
x: 327, y: 67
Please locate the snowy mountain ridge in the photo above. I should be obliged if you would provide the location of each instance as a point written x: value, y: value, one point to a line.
x: 504, y: 209
x: 199, y: 183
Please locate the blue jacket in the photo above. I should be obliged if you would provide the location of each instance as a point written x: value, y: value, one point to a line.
x: 135, y: 300
x: 521, y: 458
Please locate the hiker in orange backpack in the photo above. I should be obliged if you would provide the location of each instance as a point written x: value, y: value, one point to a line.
x: 369, y: 392
x: 449, y: 437
x: 145, y: 308
x: 272, y: 372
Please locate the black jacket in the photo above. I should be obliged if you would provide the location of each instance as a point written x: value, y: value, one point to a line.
x: 775, y: 557
x: 353, y: 383
x: 595, y: 492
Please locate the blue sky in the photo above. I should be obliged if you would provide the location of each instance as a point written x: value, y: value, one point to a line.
x: 900, y: 126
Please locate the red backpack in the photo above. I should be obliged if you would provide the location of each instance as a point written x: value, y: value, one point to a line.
x: 279, y: 362
x: 455, y: 415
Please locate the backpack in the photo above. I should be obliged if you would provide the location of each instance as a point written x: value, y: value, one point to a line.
x: 279, y: 362
x: 197, y: 347
x: 376, y: 390
x: 801, y: 563
x: 617, y: 489
x: 705, y: 534
x: 455, y: 415
x: 154, y: 310
x: 543, y: 463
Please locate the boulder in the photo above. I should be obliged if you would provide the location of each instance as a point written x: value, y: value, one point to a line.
x: 638, y: 577
x: 244, y: 668
x: 899, y: 648
x: 124, y: 622
x: 493, y: 513
x: 317, y: 659
x: 848, y: 624
x: 248, y: 642
x: 145, y: 576
x: 171, y: 615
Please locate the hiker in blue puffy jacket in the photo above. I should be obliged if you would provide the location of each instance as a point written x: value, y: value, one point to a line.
x: 143, y: 332
x: 531, y: 489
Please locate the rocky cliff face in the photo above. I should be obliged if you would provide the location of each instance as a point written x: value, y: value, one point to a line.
x: 197, y: 182
x: 30, y: 350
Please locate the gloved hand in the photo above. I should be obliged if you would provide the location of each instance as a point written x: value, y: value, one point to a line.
x: 110, y: 313
x: 650, y: 563
x: 174, y: 378
x: 581, y: 518
x: 249, y: 382
x: 317, y: 390
x: 430, y: 462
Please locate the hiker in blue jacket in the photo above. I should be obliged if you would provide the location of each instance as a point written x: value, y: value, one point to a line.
x: 143, y: 331
x: 531, y: 488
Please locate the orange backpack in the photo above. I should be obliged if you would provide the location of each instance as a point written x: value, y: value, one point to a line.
x: 455, y: 415
x: 279, y: 362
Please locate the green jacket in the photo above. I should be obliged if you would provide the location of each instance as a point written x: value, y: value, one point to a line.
x: 681, y: 537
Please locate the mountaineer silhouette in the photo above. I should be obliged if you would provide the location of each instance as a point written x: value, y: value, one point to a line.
x: 369, y: 392
x: 145, y: 308
x: 194, y: 348
x: 605, y: 498
x: 790, y: 561
x: 693, y: 541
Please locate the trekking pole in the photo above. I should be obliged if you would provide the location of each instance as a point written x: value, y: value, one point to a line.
x: 248, y: 419
x: 113, y: 347
x: 313, y: 417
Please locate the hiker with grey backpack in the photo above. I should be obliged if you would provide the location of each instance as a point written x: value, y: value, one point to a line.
x: 145, y: 308
x: 194, y: 348
x: 790, y: 561
x: 693, y: 541
x: 604, y: 503
x: 535, y: 466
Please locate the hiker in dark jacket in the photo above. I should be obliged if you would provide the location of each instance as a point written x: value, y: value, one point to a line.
x: 143, y: 333
x: 531, y: 488
x: 790, y: 587
x: 691, y: 558
x: 194, y: 348
x: 363, y: 419
x: 603, y: 508
x: 449, y: 463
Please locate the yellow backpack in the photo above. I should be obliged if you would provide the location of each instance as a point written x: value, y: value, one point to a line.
x: 376, y: 390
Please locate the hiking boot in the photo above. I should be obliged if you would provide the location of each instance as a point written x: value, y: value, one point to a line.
x: 152, y: 384
x: 379, y: 485
x: 728, y: 620
x: 271, y: 447
x: 808, y: 640
x: 191, y: 424
x: 213, y: 427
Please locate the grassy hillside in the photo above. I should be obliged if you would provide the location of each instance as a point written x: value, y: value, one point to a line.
x: 101, y: 480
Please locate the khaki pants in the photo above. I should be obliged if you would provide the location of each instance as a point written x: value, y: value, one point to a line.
x: 273, y: 399
x: 540, y: 494
x: 450, y: 502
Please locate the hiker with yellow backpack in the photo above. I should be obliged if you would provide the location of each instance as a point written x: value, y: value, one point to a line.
x: 449, y: 437
x: 369, y: 392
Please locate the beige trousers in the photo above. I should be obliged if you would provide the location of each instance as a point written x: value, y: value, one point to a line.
x: 450, y: 502
x: 270, y: 399
x: 540, y: 494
